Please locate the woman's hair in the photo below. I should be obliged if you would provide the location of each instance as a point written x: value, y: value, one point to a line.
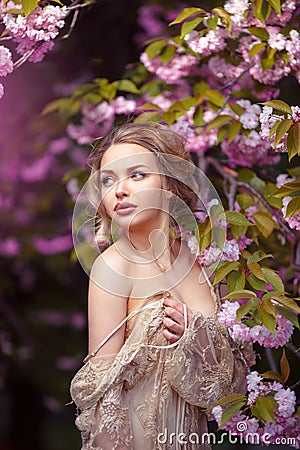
x: 169, y: 148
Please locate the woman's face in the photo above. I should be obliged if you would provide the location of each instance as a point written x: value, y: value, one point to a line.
x: 131, y: 187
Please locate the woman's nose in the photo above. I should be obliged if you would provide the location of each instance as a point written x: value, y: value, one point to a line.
x: 121, y: 189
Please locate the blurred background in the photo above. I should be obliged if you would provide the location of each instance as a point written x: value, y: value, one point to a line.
x: 43, y: 335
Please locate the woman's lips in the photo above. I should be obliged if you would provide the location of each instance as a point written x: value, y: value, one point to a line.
x: 124, y: 208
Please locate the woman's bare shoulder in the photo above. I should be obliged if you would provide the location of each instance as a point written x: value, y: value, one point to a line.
x: 110, y: 271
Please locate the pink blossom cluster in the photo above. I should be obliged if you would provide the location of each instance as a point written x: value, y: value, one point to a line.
x: 293, y: 221
x: 174, y: 70
x: 259, y: 333
x: 6, y: 65
x: 268, y: 119
x: 36, y: 32
x: 293, y: 49
x: 150, y: 22
x: 248, y: 150
x: 206, y: 44
x: 212, y: 254
x: 97, y: 119
x: 9, y: 247
x: 286, y: 426
x: 237, y: 9
x: 197, y: 141
x: 54, y: 245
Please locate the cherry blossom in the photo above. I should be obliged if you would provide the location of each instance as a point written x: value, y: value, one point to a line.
x: 179, y: 66
x: 6, y: 63
x: 212, y: 42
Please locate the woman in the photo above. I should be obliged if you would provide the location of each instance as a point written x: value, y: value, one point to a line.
x: 159, y: 358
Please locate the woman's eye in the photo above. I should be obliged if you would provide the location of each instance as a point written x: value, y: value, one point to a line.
x: 107, y: 181
x: 138, y: 175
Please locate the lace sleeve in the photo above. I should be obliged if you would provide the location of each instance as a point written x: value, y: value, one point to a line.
x: 206, y: 365
x: 103, y: 424
x: 99, y: 388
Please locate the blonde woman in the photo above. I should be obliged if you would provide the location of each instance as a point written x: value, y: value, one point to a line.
x: 158, y: 357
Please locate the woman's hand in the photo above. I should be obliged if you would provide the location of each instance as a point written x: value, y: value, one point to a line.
x: 174, y: 320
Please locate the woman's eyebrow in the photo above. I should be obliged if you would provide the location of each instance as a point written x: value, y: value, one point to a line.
x: 128, y: 169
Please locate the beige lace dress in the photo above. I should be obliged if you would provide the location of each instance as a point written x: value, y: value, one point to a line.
x: 150, y: 395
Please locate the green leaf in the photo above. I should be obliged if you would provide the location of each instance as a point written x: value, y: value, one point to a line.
x: 56, y: 105
x: 259, y: 256
x: 203, y: 234
x: 259, y: 32
x: 236, y: 281
x: 268, y: 319
x: 216, y: 98
x: 284, y: 367
x: 257, y: 11
x: 167, y: 53
x: 273, y: 279
x: 293, y: 207
x: 231, y: 410
x: 268, y: 61
x: 244, y: 200
x: 170, y: 116
x: 238, y: 231
x: 282, y: 129
x: 263, y: 409
x: 224, y: 16
x: 290, y: 315
x: 271, y: 375
x: 236, y: 108
x: 148, y: 116
x: 28, y: 6
x: 149, y: 106
x: 218, y: 236
x: 219, y: 121
x: 237, y: 218
x: 269, y: 190
x: 233, y: 130
x: 285, y: 301
x: 256, y: 48
x: 288, y: 189
x: 185, y: 14
x: 294, y: 171
x: 256, y: 270
x: 155, y: 48
x: 269, y: 306
x: 274, y: 128
x: 244, y: 309
x: 212, y: 22
x: 225, y: 270
x: 229, y: 398
x: 293, y: 140
x: 279, y: 105
x: 264, y: 222
x: 276, y: 5
x: 126, y: 86
x: 221, y: 134
x: 256, y: 283
x: 189, y: 26
x: 244, y: 293
x: 198, y: 117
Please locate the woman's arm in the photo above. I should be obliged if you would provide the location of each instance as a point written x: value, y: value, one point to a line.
x: 109, y: 290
